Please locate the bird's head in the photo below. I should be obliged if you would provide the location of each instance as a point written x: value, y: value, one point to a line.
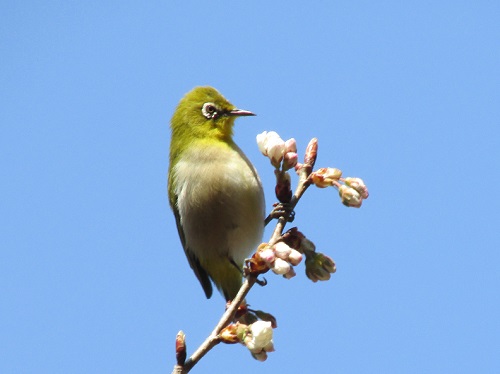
x: 204, y: 113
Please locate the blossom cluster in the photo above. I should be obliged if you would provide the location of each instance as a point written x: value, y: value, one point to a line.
x: 280, y: 258
x: 283, y: 156
x: 319, y: 266
x: 352, y: 192
x: 289, y: 252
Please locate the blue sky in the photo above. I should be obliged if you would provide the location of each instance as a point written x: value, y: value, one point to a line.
x: 403, y: 94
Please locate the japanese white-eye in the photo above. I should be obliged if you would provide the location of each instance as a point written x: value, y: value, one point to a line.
x: 214, y: 191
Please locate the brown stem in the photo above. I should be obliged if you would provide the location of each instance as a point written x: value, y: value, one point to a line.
x: 225, y: 320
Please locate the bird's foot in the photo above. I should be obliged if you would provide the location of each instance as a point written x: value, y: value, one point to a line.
x: 281, y: 210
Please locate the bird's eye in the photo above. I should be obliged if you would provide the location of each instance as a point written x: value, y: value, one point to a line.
x: 209, y: 110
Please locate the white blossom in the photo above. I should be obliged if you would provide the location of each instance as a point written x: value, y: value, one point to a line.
x: 281, y: 266
x: 260, y: 338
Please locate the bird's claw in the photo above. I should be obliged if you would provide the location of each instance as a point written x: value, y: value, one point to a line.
x: 262, y: 282
x: 281, y: 210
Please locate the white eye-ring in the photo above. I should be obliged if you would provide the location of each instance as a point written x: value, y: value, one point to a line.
x: 209, y: 110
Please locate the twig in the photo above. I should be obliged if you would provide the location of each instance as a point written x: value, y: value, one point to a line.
x: 226, y: 318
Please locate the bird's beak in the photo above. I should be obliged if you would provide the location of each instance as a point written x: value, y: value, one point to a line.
x: 240, y: 112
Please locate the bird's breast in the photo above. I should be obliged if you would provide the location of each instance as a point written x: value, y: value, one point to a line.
x: 220, y: 201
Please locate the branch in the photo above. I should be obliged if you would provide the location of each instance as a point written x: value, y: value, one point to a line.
x: 225, y: 320
x: 304, y: 171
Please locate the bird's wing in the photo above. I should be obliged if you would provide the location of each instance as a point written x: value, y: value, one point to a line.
x: 200, y: 273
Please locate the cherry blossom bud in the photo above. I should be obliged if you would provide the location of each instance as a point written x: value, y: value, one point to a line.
x: 317, y: 274
x: 264, y: 138
x: 295, y: 257
x: 291, y: 145
x: 272, y: 146
x: 180, y: 348
x: 311, y: 153
x: 283, y: 189
x: 350, y: 197
x: 280, y: 266
x: 290, y: 160
x: 267, y: 255
x: 281, y: 250
x: 328, y: 264
x: 276, y: 151
x: 325, y: 177
x: 260, y: 337
x: 358, y: 185
x: 319, y: 267
x: 319, y: 181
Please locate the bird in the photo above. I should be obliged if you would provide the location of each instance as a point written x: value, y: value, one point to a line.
x: 214, y: 190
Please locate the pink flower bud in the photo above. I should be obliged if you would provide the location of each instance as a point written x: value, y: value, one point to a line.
x: 291, y: 145
x: 282, y: 250
x: 281, y: 266
x: 358, y: 185
x: 267, y: 255
x: 290, y: 160
x: 271, y: 145
x: 295, y: 257
x: 276, y: 151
